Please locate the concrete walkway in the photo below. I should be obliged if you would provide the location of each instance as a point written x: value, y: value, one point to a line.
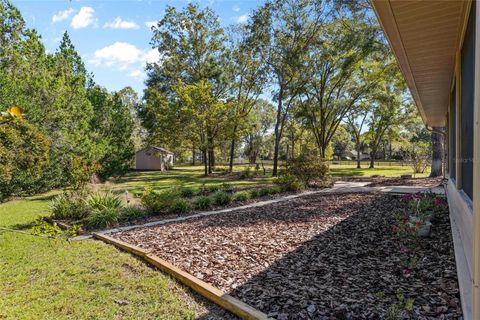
x: 338, y: 187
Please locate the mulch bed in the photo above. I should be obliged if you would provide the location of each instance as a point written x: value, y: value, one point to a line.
x: 385, y: 182
x: 316, y: 257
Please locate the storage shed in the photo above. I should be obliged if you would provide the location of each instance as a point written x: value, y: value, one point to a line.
x: 153, y: 158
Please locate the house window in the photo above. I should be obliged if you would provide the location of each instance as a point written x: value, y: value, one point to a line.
x: 467, y: 92
x: 452, y: 135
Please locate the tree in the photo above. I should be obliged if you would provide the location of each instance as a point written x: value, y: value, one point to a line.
x: 192, y: 46
x: 284, y: 31
x: 256, y: 139
x: 344, y: 66
x: 206, y: 117
x: 437, y: 152
x: 341, y: 141
x: 356, y: 121
x: 248, y: 81
x: 391, y: 106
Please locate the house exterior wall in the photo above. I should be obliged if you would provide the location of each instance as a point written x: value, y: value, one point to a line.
x: 463, y: 166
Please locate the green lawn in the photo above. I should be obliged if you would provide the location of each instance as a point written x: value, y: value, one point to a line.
x: 54, y: 279
x: 192, y: 176
x: 384, y: 170
x: 187, y: 176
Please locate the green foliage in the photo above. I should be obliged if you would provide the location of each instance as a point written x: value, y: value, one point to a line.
x: 254, y: 193
x: 70, y: 206
x: 222, y: 198
x: 103, y: 217
x: 202, y: 202
x: 263, y: 192
x: 180, y: 206
x: 308, y: 168
x: 156, y: 202
x: 41, y: 227
x: 275, y: 190
x: 23, y: 157
x: 241, y: 196
x: 289, y: 183
x: 187, y: 192
x: 132, y: 213
x: 105, y: 200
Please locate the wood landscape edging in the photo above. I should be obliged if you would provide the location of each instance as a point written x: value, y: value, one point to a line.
x: 206, y: 290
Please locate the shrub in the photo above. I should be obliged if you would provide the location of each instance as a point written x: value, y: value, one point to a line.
x: 289, y: 183
x: 132, y: 213
x: 263, y: 192
x: 105, y: 200
x: 308, y: 168
x: 202, y: 202
x: 222, y: 198
x: 103, y: 217
x: 241, y: 196
x: 180, y: 206
x: 187, y: 192
x: 155, y: 202
x: 275, y: 190
x: 254, y: 193
x: 212, y: 189
x: 70, y: 205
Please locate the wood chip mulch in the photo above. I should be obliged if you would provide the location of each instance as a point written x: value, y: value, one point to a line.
x: 385, y: 182
x: 316, y: 257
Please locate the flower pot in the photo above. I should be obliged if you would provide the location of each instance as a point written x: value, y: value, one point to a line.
x: 423, y: 227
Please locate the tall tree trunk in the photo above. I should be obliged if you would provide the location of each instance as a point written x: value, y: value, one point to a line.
x: 372, y: 158
x: 193, y: 156
x: 437, y: 150
x: 358, y: 156
x: 232, y: 148
x: 204, y: 156
x: 276, y: 148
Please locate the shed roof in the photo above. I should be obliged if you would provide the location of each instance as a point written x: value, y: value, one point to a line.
x: 156, y: 148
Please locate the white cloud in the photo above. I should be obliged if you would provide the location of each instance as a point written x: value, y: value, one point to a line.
x: 150, y: 24
x: 124, y: 56
x: 84, y: 18
x: 137, y: 74
x: 62, y: 15
x: 118, y: 23
x: 151, y: 56
x: 236, y: 8
x: 242, y: 19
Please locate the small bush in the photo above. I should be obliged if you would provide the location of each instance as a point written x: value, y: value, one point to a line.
x: 132, y: 213
x: 180, y: 206
x: 103, y: 217
x: 156, y: 202
x: 187, y: 192
x: 241, y: 196
x: 254, y: 193
x: 70, y: 205
x: 105, y: 200
x: 289, y: 183
x: 263, y: 192
x: 275, y: 190
x: 308, y: 168
x: 212, y: 189
x: 222, y: 198
x: 202, y: 202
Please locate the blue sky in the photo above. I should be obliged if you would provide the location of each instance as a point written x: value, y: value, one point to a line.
x: 113, y: 36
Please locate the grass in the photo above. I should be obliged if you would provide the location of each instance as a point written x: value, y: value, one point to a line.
x: 389, y: 170
x: 55, y: 279
x: 184, y: 176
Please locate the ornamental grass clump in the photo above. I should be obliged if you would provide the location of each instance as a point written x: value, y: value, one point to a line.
x: 222, y: 198
x: 70, y: 206
x: 241, y: 196
x: 157, y: 202
x: 202, y: 202
x: 180, y: 206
